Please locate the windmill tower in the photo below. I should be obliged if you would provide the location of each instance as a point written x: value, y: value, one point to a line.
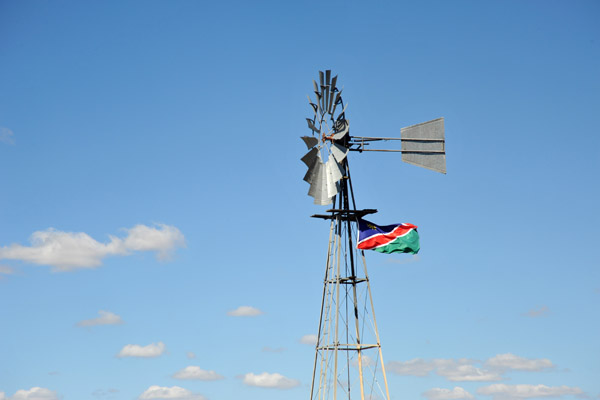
x: 348, y: 358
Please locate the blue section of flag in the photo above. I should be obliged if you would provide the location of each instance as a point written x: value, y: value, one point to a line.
x: 367, y: 229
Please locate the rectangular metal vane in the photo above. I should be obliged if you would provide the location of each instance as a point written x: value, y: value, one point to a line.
x: 424, y: 145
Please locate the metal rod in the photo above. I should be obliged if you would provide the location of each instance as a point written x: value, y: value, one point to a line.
x: 353, y: 279
x: 322, y: 307
x: 350, y: 347
x: 404, y: 151
x: 371, y: 139
x: 337, y: 313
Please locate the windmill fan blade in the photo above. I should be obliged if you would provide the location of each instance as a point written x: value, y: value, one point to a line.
x: 327, y: 76
x: 344, y: 110
x: 339, y: 152
x: 311, y: 125
x: 338, y: 96
x: 323, y: 201
x: 316, y: 86
x: 310, y: 142
x: 340, y: 171
x: 313, y: 171
x: 318, y: 187
x: 339, y: 135
x: 317, y: 180
x: 313, y: 105
x: 319, y: 100
x: 325, y: 91
x: 334, y: 170
x: 310, y: 157
x: 332, y: 187
x: 330, y: 99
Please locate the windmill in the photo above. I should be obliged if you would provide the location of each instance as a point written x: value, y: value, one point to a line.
x: 348, y: 357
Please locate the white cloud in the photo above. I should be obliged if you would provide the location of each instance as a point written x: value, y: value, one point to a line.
x: 105, y: 318
x: 6, y: 136
x: 244, y: 311
x: 135, y: 350
x: 196, y: 373
x: 190, y: 355
x: 511, y: 361
x: 267, y: 380
x: 540, y: 312
x: 447, y: 394
x: 309, y: 339
x: 501, y: 391
x: 414, y: 367
x: 170, y: 393
x: 146, y: 238
x: 72, y: 250
x: 35, y: 393
x: 460, y: 370
x: 3, y: 396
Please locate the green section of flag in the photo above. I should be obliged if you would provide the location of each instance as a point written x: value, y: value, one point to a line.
x: 408, y: 243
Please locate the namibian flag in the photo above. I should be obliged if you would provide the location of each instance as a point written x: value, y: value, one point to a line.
x: 399, y: 238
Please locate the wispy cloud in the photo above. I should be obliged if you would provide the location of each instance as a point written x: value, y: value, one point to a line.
x: 309, y: 339
x: 414, y: 367
x: 66, y: 251
x: 105, y: 318
x: 108, y: 393
x: 461, y: 370
x: 366, y: 361
x: 190, y: 355
x: 539, y: 312
x: 268, y: 349
x: 510, y: 361
x: 271, y: 381
x: 6, y: 135
x: 35, y: 393
x: 5, y: 270
x: 196, y: 373
x: 244, y: 311
x: 135, y: 350
x: 467, y: 370
x: 415, y: 258
x: 447, y: 394
x: 500, y: 391
x: 169, y: 393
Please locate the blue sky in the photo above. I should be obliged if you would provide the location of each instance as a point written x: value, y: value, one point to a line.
x: 151, y: 186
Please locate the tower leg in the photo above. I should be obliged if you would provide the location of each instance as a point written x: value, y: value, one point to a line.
x: 347, y: 326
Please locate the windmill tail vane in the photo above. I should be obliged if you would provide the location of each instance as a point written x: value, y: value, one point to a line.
x: 348, y: 357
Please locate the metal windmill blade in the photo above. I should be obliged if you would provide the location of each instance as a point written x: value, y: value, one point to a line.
x: 327, y: 151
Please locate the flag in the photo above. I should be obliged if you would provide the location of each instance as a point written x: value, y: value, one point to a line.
x: 398, y: 238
